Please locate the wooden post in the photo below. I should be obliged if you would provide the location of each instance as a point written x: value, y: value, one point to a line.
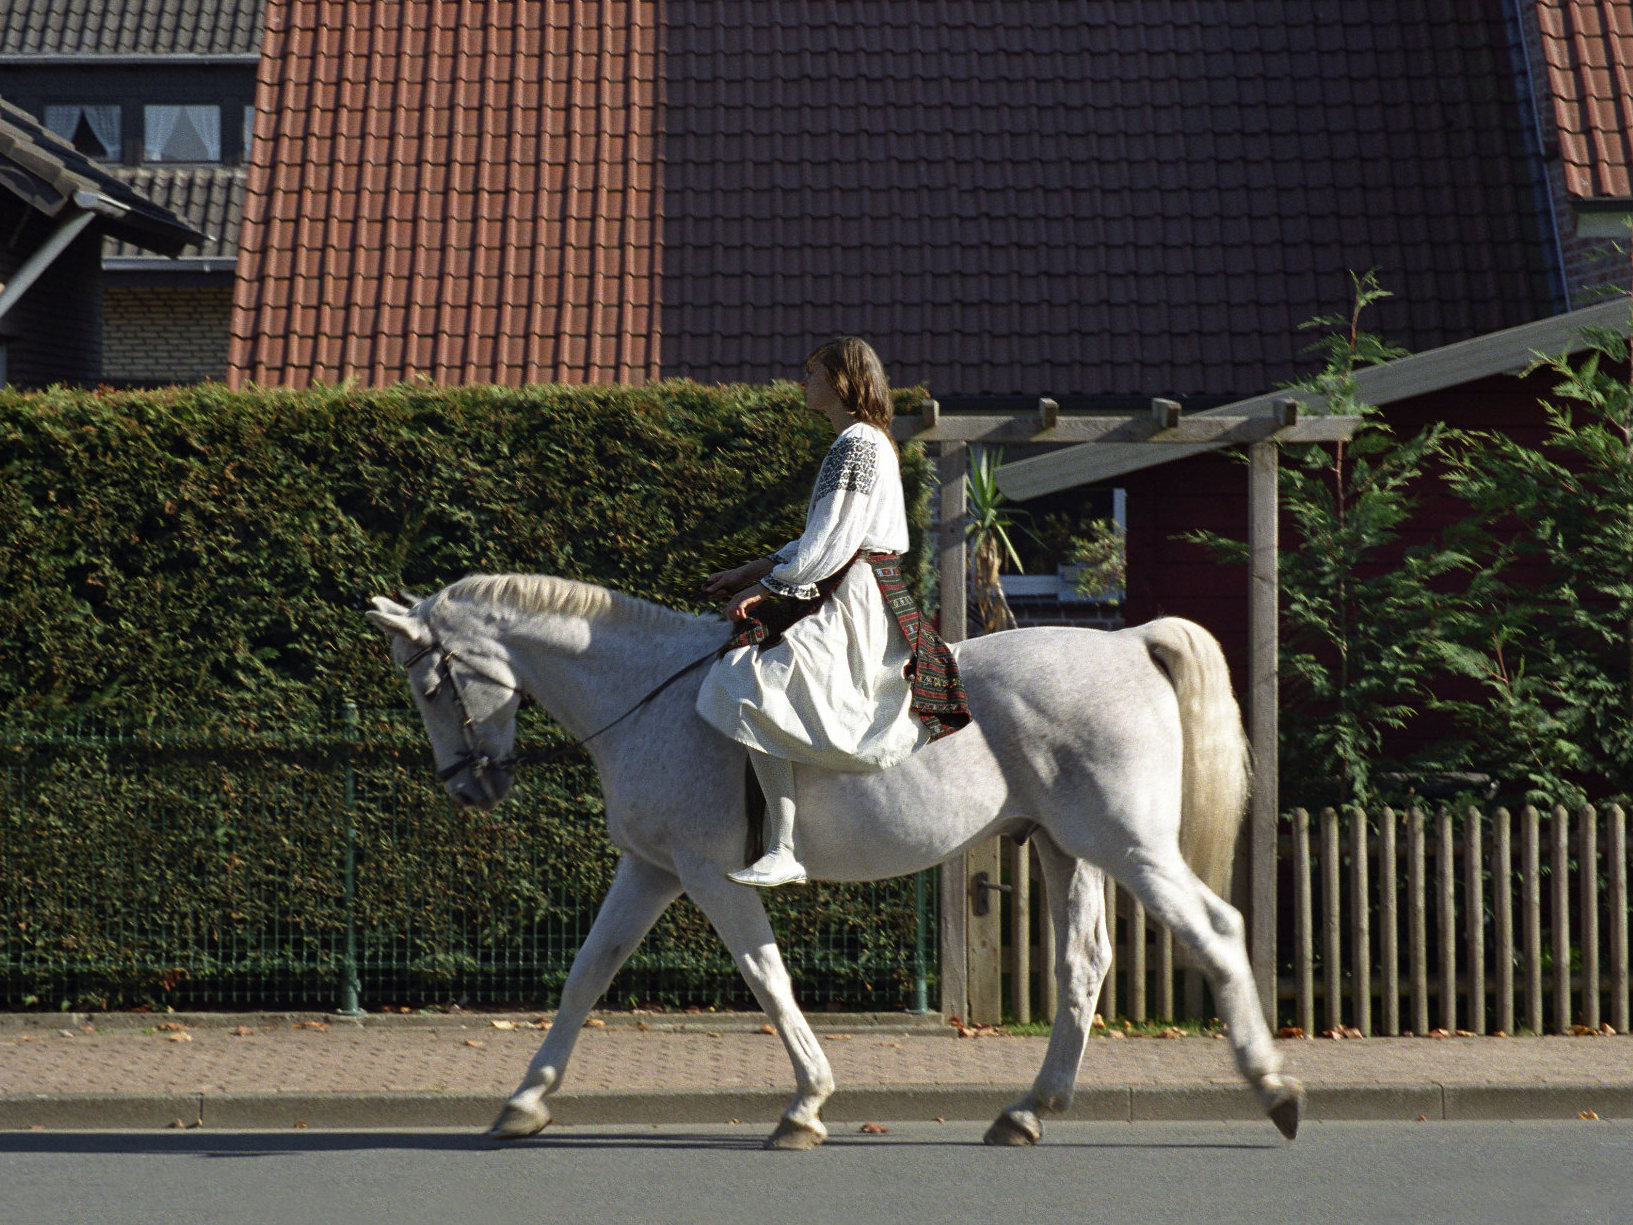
x: 1303, y: 924
x: 1474, y: 911
x: 1502, y: 916
x: 951, y: 469
x: 1018, y: 860
x: 1587, y: 870
x: 1417, y: 948
x: 1531, y: 914
x: 1332, y: 968
x: 1361, y: 950
x: 1389, y: 960
x: 1616, y: 855
x: 1559, y: 888
x: 1446, y: 914
x: 1263, y: 545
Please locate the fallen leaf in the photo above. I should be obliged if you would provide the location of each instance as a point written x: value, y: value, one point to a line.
x: 939, y: 1119
x: 873, y: 1129
x: 1422, y: 1118
x: 503, y: 1024
x: 1116, y: 1033
x: 768, y: 1029
x: 1438, y: 1033
x: 1582, y: 1031
x: 713, y: 1033
x: 318, y: 1025
x: 837, y: 1037
x: 66, y: 1033
x: 300, y: 1122
x: 1099, y: 1022
x: 474, y: 1042
x: 1465, y: 1033
x: 243, y: 1031
x: 36, y: 1127
x: 729, y: 1121
x: 170, y: 1027
x: 642, y: 1026
x: 174, y: 1124
x: 595, y: 1023
x: 1290, y: 1031
x: 1173, y: 1031
x: 1499, y: 1033
x: 895, y: 1045
x: 178, y: 1037
x: 1587, y: 1114
x: 1608, y: 1030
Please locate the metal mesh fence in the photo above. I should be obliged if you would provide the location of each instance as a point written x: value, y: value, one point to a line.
x: 258, y: 865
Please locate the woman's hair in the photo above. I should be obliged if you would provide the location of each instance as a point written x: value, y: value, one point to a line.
x: 858, y: 378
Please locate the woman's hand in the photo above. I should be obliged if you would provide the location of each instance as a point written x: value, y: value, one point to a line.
x: 722, y: 583
x: 738, y: 607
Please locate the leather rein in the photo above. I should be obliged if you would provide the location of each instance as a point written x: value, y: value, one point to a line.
x: 478, y: 762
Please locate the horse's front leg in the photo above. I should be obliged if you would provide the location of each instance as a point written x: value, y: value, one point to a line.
x: 639, y: 894
x: 739, y: 917
x: 1076, y: 893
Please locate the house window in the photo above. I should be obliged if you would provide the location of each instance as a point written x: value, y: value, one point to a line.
x: 182, y: 134
x: 93, y: 130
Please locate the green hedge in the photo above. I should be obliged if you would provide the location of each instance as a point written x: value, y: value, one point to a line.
x: 192, y: 563
x: 159, y: 550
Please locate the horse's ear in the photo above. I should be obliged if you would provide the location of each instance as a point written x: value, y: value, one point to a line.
x: 403, y: 624
x: 410, y: 597
x: 386, y: 604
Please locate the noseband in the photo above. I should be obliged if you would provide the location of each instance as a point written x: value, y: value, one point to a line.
x: 479, y: 763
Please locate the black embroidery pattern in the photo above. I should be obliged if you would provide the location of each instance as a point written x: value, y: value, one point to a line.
x: 849, y: 464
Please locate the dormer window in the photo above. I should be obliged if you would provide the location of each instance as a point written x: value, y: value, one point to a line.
x: 181, y: 134
x: 93, y: 130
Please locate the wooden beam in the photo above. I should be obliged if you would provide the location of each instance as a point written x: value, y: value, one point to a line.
x: 952, y: 467
x: 1263, y: 531
x: 1505, y: 352
x: 1215, y: 431
x: 1165, y: 413
x: 1048, y: 414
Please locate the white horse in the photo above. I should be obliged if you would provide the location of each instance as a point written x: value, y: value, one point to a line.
x: 1117, y: 749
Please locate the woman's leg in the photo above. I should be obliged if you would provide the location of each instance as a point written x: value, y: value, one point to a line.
x: 778, y: 866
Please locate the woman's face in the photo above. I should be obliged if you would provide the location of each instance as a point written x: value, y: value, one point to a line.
x: 820, y: 396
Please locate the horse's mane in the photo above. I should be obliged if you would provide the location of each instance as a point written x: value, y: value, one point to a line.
x: 546, y: 593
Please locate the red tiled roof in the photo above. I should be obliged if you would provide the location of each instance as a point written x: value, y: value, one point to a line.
x: 1024, y: 198
x: 459, y: 191
x: 1589, y: 48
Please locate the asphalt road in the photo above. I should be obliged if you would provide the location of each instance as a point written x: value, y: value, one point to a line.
x: 1531, y: 1173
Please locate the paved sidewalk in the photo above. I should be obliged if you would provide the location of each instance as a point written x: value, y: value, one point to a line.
x: 264, y: 1070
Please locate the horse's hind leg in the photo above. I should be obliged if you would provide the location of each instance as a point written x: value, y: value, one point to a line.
x: 1076, y: 894
x: 639, y: 894
x: 739, y: 917
x: 1213, y: 930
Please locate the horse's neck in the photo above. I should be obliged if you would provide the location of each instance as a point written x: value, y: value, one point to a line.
x: 593, y: 673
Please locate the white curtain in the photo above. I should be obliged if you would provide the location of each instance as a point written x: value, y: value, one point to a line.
x: 161, y: 125
x: 102, y: 120
x: 207, y: 123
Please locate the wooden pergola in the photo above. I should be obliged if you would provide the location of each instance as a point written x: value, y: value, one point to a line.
x: 1098, y: 448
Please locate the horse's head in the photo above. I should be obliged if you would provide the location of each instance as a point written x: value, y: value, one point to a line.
x: 462, y: 683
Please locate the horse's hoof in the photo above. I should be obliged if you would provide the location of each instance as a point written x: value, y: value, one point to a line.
x: 792, y: 1137
x: 1010, y: 1132
x: 1287, y: 1108
x: 518, y: 1122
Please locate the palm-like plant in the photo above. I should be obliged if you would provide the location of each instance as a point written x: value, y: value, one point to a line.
x: 991, y: 520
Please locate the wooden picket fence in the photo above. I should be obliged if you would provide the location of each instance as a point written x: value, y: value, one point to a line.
x: 1394, y: 922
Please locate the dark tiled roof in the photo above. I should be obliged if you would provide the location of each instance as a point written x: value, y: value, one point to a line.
x: 468, y: 203
x: 47, y: 173
x: 209, y: 198
x: 1087, y: 198
x: 130, y: 27
x: 1589, y: 48
x: 1093, y: 198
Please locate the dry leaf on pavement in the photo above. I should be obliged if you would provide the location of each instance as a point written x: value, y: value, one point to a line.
x: 873, y: 1129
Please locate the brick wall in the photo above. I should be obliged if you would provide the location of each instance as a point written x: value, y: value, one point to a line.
x: 54, y: 332
x: 165, y: 334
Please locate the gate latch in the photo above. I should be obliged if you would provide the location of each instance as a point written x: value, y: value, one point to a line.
x: 980, y: 885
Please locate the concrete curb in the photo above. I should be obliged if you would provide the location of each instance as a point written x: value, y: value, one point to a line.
x: 883, y: 1103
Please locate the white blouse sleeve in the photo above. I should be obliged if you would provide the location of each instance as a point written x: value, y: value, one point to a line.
x: 837, y: 519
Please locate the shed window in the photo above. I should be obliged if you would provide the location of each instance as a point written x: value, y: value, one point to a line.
x: 93, y: 130
x: 182, y: 134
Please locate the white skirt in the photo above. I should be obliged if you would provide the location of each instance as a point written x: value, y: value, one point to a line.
x: 832, y: 693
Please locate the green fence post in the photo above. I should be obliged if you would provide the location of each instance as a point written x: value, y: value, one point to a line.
x: 921, y: 912
x: 349, y: 984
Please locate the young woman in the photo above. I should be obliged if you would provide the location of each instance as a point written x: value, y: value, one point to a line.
x: 842, y: 684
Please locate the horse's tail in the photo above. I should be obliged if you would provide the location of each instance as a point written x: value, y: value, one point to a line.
x: 1217, y: 764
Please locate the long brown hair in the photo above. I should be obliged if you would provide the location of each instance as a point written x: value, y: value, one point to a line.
x: 858, y: 378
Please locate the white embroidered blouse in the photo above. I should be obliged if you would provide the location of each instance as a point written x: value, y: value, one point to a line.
x: 856, y: 505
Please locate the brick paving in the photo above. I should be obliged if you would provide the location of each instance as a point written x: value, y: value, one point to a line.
x: 260, y: 1054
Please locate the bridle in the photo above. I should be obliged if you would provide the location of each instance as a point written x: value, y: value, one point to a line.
x: 479, y: 762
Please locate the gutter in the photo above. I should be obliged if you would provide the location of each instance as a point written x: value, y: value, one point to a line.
x: 82, y: 59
